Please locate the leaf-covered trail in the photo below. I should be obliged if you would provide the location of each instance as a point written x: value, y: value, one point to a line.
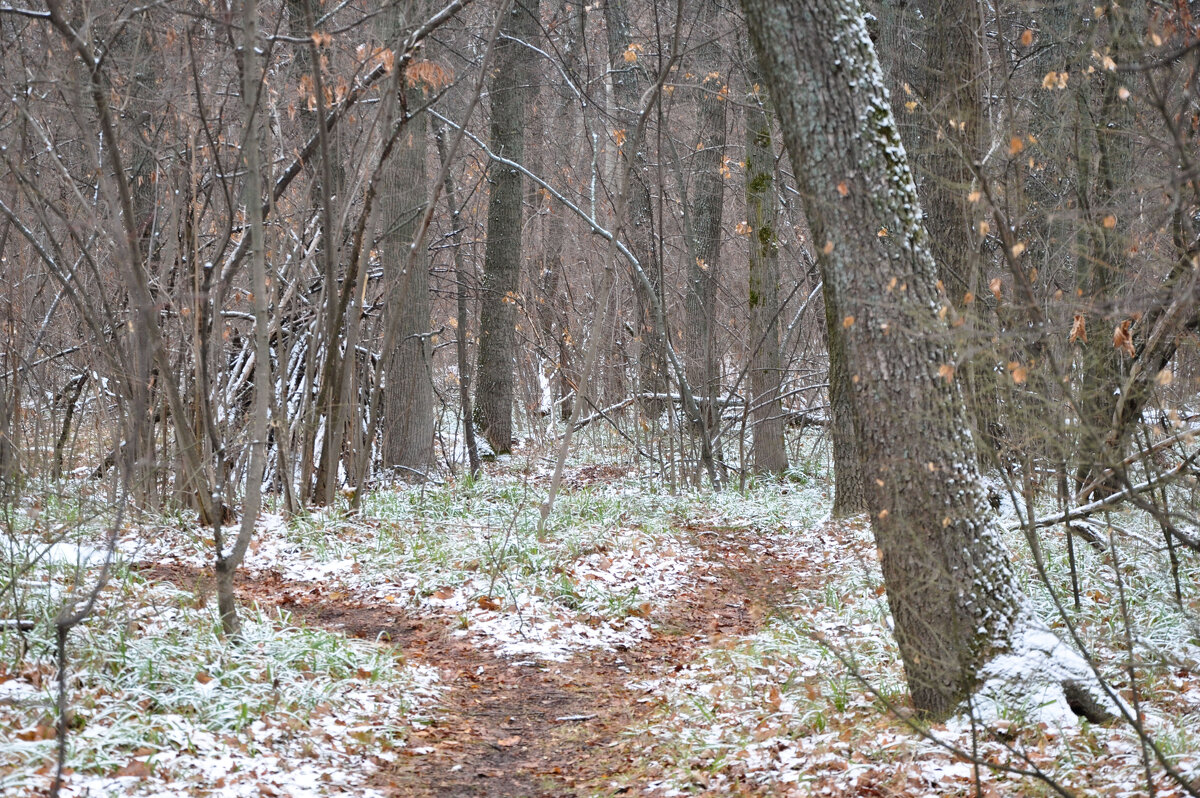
x: 512, y: 727
x: 528, y: 729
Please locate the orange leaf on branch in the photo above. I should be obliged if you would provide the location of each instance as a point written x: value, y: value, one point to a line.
x: 1078, y: 329
x: 1123, y: 339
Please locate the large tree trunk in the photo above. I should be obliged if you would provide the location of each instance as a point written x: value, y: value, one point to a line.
x: 502, y: 255
x: 947, y: 82
x: 703, y: 214
x: 638, y: 229
x: 408, y: 396
x: 762, y: 214
x: 950, y: 586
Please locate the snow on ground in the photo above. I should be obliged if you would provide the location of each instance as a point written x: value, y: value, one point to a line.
x: 814, y: 703
x: 590, y: 583
x: 160, y: 703
x: 521, y: 623
x: 799, y: 707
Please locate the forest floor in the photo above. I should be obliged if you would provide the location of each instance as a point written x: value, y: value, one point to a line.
x: 506, y: 728
x: 648, y: 643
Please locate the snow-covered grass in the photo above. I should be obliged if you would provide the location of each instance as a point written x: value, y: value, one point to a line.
x: 615, y: 550
x: 813, y: 702
x: 158, y: 699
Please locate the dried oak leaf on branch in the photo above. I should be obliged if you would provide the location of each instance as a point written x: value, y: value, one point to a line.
x: 1078, y: 329
x: 1122, y: 339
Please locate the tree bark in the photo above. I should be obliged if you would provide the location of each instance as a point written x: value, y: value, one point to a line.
x: 408, y: 397
x: 762, y: 215
x: 502, y: 254
x: 703, y: 214
x: 950, y: 585
x: 849, y: 494
x: 639, y: 219
x: 552, y: 308
x: 947, y: 80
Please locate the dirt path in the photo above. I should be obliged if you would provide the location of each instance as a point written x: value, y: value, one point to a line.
x: 507, y: 728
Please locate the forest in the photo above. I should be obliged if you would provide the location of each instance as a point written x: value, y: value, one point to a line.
x: 625, y: 397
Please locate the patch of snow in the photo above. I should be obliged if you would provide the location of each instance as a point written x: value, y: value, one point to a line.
x: 1029, y: 682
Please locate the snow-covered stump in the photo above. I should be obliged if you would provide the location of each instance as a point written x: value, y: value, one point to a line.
x: 1042, y: 680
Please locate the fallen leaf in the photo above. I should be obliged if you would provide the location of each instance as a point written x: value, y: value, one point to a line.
x: 509, y: 742
x: 136, y: 768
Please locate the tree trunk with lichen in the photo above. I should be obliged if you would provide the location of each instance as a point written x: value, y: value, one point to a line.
x: 950, y: 585
x: 762, y: 216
